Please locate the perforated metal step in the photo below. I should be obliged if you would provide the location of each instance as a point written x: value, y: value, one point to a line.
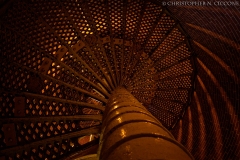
x: 60, y: 61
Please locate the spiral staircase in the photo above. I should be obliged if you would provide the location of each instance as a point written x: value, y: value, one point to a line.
x: 61, y: 60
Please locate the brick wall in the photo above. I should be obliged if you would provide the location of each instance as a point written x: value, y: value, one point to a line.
x: 210, y: 127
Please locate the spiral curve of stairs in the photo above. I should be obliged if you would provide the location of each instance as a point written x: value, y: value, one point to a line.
x: 61, y: 60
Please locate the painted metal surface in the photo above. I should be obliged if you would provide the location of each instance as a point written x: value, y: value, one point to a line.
x: 130, y: 132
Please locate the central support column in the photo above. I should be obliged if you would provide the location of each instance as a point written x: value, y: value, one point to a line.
x: 130, y: 132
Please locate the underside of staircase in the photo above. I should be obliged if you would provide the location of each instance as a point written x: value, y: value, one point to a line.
x: 61, y: 60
